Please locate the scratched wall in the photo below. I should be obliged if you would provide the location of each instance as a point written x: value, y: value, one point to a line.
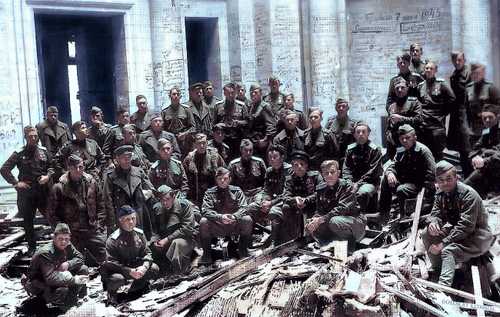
x: 377, y: 32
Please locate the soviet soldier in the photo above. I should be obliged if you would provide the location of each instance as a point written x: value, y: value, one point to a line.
x: 319, y: 143
x: 363, y: 166
x: 275, y: 98
x: 458, y: 225
x: 485, y: 156
x: 114, y: 138
x: 337, y: 216
x: 298, y: 197
x: 477, y: 93
x: 173, y: 227
x: 32, y: 183
x: 53, y: 133
x: 233, y: 114
x: 202, y: 114
x: 139, y: 158
x: 261, y: 121
x: 128, y: 257
x: 128, y: 185
x: 98, y: 128
x: 77, y: 200
x: 437, y: 99
x: 417, y: 64
x: 224, y: 213
x: 291, y: 138
x: 148, y: 140
x: 248, y: 171
x: 141, y: 119
x: 200, y: 166
x: 405, y: 109
x: 411, y: 169
x: 56, y: 272
x: 342, y: 126
x: 169, y: 171
x: 240, y: 94
x: 290, y: 105
x: 412, y: 79
x: 93, y: 158
x: 208, y: 94
x: 218, y: 141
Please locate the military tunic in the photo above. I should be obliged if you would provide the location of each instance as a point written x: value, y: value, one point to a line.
x: 276, y: 101
x: 222, y: 148
x: 139, y: 158
x: 149, y: 143
x: 203, y: 117
x: 344, y: 132
x: 98, y: 134
x: 413, y: 79
x: 53, y: 137
x: 261, y: 124
x: 290, y: 141
x: 140, y: 121
x: 418, y: 67
x: 248, y: 175
x: 93, y: 157
x: 114, y: 139
x: 212, y: 101
x: 320, y: 144
x: 170, y: 173
x: 476, y: 96
x: 235, y: 118
x: 281, y: 117
x: 457, y: 138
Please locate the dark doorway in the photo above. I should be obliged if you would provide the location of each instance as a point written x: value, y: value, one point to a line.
x: 76, y: 57
x: 203, y: 51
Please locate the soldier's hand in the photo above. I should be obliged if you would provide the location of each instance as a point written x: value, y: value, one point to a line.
x: 227, y: 219
x: 477, y: 162
x: 436, y: 248
x: 22, y: 185
x: 161, y: 243
x: 44, y: 179
x: 395, y: 118
x: 266, y: 205
x: 355, y: 187
x: 63, y: 266
x: 434, y: 229
x: 81, y: 279
x: 136, y: 274
x: 392, y: 180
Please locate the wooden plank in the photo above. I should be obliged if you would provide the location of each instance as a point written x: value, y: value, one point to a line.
x: 477, y: 290
x: 11, y: 238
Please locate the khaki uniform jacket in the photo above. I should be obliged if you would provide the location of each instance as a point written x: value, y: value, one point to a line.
x: 437, y: 100
x: 170, y: 173
x: 178, y: 119
x: 53, y: 140
x: 178, y: 222
x: 363, y: 164
x: 218, y: 201
x: 339, y: 200
x: 476, y: 96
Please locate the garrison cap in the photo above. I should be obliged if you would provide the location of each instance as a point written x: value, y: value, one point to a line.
x: 341, y: 100
x: 400, y: 81
x: 404, y: 129
x: 95, y: 110
x: 74, y: 159
x: 300, y: 155
x: 230, y: 85
x: 443, y: 167
x: 164, y: 190
x: 273, y: 78
x: 124, y: 149
x: 62, y: 228
x: 52, y: 109
x: 155, y: 115
x: 207, y: 83
x: 254, y: 87
x: 491, y: 108
x: 125, y: 210
x: 196, y: 86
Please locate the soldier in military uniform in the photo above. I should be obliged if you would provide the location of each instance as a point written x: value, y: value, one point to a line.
x: 202, y: 113
x: 261, y: 121
x: 148, y: 140
x: 411, y: 169
x: 56, y: 271
x: 114, y: 138
x: 128, y: 257
x: 128, y: 185
x: 485, y: 156
x: 292, y: 138
x: 298, y: 197
x: 248, y: 171
x: 141, y: 119
x: 86, y: 148
x: 208, y: 94
x: 289, y: 105
x: 218, y: 141
x: 240, y: 94
x: 178, y: 120
x: 458, y: 225
x: 224, y: 213
x: 169, y: 171
x: 405, y: 109
x: 412, y: 79
x: 478, y: 93
x: 53, y: 133
x: 234, y: 115
x: 77, y: 200
x: 457, y: 138
x: 275, y: 98
x: 200, y: 166
x: 319, y: 143
x: 363, y: 166
x: 437, y: 100
x: 174, y: 228
x: 98, y: 128
x: 337, y: 216
x: 139, y: 158
x: 342, y: 126
x: 417, y: 64
x: 32, y: 184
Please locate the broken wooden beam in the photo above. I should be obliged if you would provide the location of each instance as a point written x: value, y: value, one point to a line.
x: 5, y: 242
x: 478, y: 296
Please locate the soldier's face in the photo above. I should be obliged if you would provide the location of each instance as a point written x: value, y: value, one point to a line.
x: 275, y: 159
x: 76, y: 171
x: 459, y: 62
x: 291, y: 121
x: 416, y: 52
x: 477, y: 74
x: 82, y: 133
x: 208, y: 91
x: 330, y: 175
x: 31, y: 138
x: 167, y: 201
x: 124, y: 118
x: 52, y: 117
x: 129, y: 136
x: 256, y: 95
x: 489, y: 119
x: 219, y: 135
x: 175, y: 97
x: 196, y: 95
x: 246, y: 153
x: 403, y: 65
x: 98, y: 117
x: 447, y: 181
x: 223, y: 180
x: 275, y: 86
x: 430, y: 70
x: 157, y: 124
x: 165, y: 151
x: 62, y: 240
x: 401, y: 90
x: 289, y: 100
x: 342, y: 109
x: 125, y: 160
x: 229, y: 93
x: 128, y: 222
x: 299, y: 167
x: 408, y: 140
x: 142, y: 105
x: 201, y: 145
x: 241, y: 93
x: 315, y: 119
x: 361, y: 134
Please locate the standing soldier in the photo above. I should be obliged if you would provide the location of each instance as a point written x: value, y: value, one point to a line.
x: 202, y: 114
x: 319, y: 143
x: 114, y: 138
x: 417, y: 64
x: 437, y: 100
x: 53, y: 133
x: 240, y: 94
x: 174, y: 226
x: 289, y: 105
x: 412, y: 79
x: 342, y: 125
x: 224, y: 213
x: 32, y: 184
x: 128, y: 257
x: 275, y: 98
x: 208, y: 94
x: 139, y: 158
x: 291, y: 138
x: 200, y: 166
x: 141, y: 119
x: 148, y: 140
x: 77, y: 200
x: 261, y: 121
x: 218, y: 141
x: 98, y: 129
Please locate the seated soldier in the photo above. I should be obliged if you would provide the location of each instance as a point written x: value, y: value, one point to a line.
x: 486, y: 153
x: 128, y: 257
x: 148, y: 140
x: 411, y: 169
x: 269, y: 201
x: 337, y: 216
x: 57, y: 272
x: 173, y: 230
x: 168, y: 171
x: 218, y: 141
x: 342, y: 126
x: 248, y: 171
x: 298, y: 198
x: 458, y: 224
x: 363, y: 166
x: 139, y: 159
x: 223, y: 213
x: 291, y: 138
x: 319, y: 143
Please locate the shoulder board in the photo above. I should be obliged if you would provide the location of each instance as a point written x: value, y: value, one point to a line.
x: 176, y: 161
x: 416, y: 74
x: 234, y: 188
x: 212, y: 189
x: 351, y: 146
x: 320, y: 186
x: 412, y: 98
x: 185, y: 106
x: 470, y: 84
x: 219, y: 103
x: 241, y: 103
x: 258, y: 159
x: 114, y: 126
x: 372, y: 145
x: 400, y: 149
x: 312, y: 173
x: 138, y: 230
x: 236, y: 160
x: 115, y: 234
x: 155, y: 164
x: 418, y: 147
x: 440, y: 80
x: 421, y: 83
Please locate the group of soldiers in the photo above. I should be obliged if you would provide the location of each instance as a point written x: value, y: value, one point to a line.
x: 137, y: 197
